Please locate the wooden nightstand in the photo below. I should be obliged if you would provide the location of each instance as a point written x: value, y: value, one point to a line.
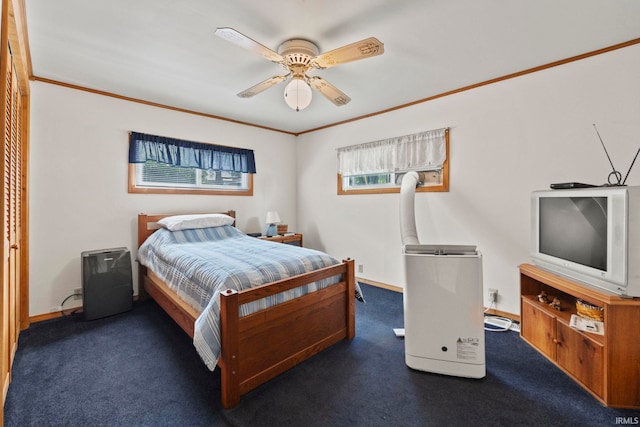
x: 294, y: 239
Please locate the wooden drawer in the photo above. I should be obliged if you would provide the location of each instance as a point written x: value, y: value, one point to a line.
x: 293, y: 239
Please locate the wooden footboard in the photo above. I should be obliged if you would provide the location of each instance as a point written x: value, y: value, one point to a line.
x: 260, y: 346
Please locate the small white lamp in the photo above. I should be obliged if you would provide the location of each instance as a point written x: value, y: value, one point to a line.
x: 272, y: 219
x: 297, y: 94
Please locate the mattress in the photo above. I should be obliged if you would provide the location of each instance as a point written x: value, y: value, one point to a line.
x: 199, y: 264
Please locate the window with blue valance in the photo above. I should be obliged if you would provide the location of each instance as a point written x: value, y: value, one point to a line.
x: 177, y: 152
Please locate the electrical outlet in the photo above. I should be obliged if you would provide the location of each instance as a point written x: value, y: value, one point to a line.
x: 77, y: 293
x: 360, y: 268
x: 493, y: 295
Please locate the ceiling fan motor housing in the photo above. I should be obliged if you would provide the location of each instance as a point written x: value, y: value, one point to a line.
x: 298, y: 53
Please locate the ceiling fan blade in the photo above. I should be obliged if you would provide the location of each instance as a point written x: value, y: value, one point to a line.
x: 359, y: 50
x: 331, y: 92
x: 262, y: 86
x: 235, y: 37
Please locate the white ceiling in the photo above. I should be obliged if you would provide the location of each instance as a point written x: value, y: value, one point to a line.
x: 164, y: 51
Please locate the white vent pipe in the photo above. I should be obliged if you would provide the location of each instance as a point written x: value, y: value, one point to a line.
x: 407, y: 209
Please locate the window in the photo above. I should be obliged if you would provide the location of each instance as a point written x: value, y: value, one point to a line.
x: 378, y: 167
x: 165, y: 165
x: 155, y: 175
x: 390, y: 181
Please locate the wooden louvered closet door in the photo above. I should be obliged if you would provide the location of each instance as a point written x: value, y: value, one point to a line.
x: 14, y: 209
x: 11, y: 220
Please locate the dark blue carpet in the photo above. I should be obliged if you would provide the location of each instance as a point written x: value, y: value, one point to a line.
x: 140, y: 369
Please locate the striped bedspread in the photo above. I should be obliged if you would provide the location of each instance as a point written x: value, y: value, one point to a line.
x: 199, y: 264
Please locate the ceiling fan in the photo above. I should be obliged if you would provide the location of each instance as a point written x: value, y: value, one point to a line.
x: 298, y: 56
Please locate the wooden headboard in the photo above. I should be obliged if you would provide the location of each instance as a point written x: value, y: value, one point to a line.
x: 147, y: 224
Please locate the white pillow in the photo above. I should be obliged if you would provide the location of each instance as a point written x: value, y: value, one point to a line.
x: 187, y: 222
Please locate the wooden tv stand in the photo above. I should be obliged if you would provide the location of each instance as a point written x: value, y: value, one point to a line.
x: 608, y: 366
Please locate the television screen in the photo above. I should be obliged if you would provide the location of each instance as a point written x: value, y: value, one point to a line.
x: 574, y: 229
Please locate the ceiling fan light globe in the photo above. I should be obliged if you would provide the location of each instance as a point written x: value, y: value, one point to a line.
x: 297, y: 94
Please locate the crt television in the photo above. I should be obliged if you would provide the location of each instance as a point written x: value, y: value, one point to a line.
x: 591, y: 235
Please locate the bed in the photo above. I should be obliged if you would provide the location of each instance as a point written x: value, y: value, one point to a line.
x: 259, y: 344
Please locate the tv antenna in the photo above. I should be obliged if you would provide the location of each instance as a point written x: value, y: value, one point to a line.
x: 632, y: 162
x: 614, y: 172
x: 617, y: 175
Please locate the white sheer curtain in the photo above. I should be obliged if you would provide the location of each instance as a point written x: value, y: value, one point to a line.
x: 418, y: 151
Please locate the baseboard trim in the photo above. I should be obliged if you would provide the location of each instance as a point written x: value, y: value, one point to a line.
x: 500, y: 313
x: 514, y: 317
x: 52, y: 315
x: 379, y: 284
x: 55, y: 314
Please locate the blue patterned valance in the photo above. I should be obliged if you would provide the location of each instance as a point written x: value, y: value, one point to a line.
x: 177, y: 152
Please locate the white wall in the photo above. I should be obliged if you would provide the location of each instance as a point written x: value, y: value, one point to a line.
x: 78, y: 181
x: 507, y: 139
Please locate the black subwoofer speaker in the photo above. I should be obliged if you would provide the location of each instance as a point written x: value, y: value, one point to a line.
x: 107, y: 286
